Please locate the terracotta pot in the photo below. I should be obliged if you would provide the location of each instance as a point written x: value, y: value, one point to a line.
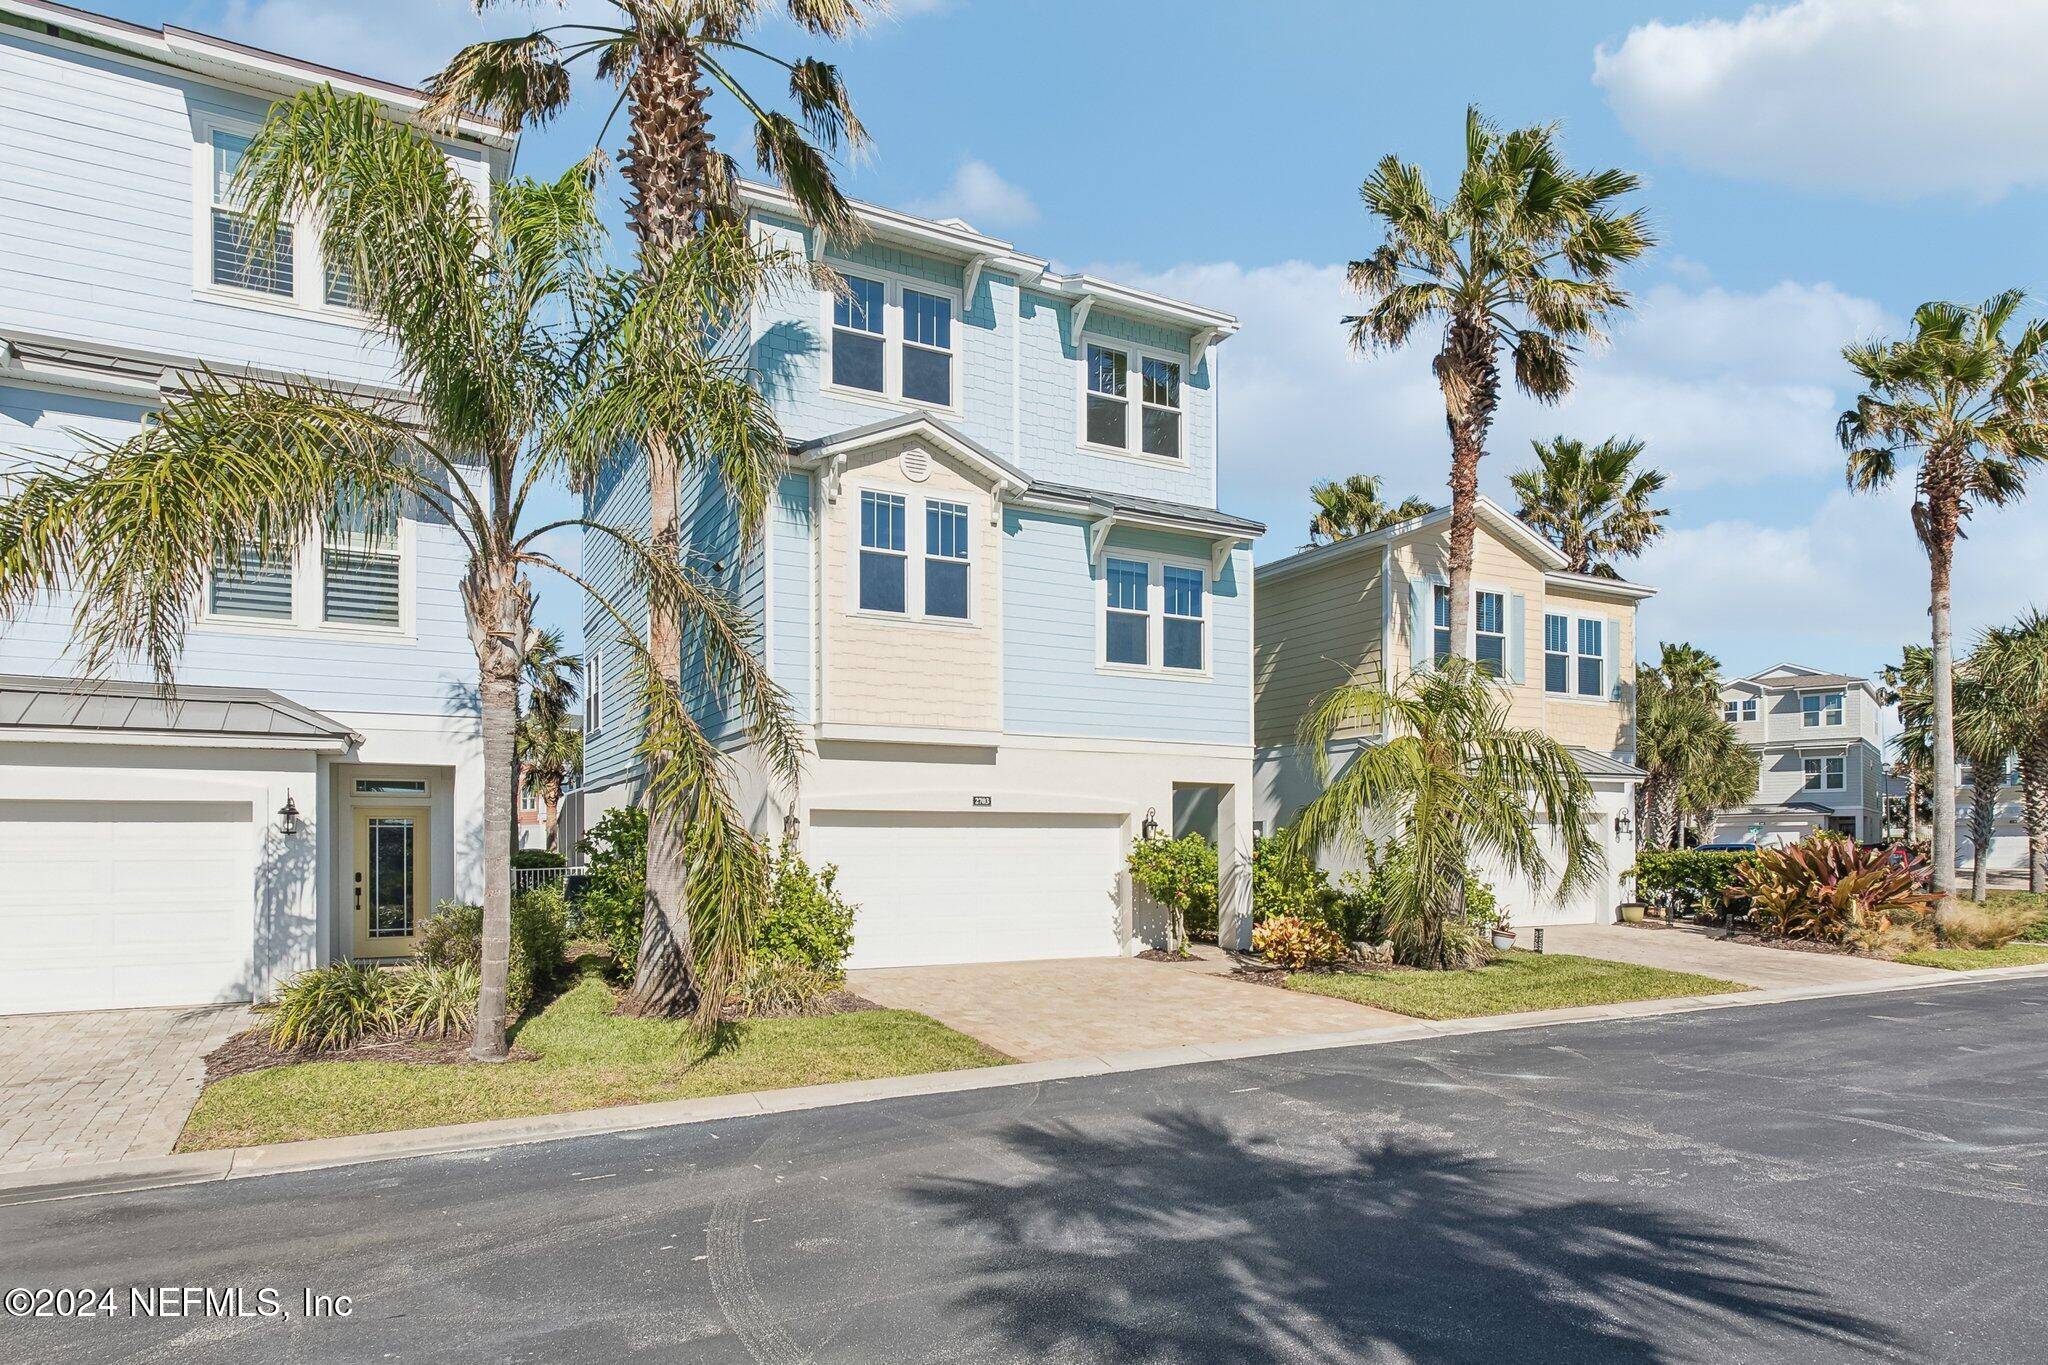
x: 1503, y: 939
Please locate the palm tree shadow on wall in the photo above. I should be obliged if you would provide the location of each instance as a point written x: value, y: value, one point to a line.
x: 1180, y: 1241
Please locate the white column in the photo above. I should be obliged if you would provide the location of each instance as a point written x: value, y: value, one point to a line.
x: 1234, y: 867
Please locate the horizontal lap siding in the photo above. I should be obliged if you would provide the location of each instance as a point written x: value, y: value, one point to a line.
x: 1316, y: 631
x: 1051, y: 683
x: 432, y: 674
x: 791, y: 598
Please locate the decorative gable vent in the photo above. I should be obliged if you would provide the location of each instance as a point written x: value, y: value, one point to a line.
x: 916, y: 464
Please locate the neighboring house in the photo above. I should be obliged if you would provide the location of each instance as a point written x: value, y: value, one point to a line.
x: 319, y: 786
x: 995, y: 584
x: 532, y: 807
x: 2008, y: 851
x: 1377, y: 607
x: 1820, y: 758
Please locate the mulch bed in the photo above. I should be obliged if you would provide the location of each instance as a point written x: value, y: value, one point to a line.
x: 1797, y: 945
x: 1161, y: 955
x: 251, y: 1051
x: 837, y: 1002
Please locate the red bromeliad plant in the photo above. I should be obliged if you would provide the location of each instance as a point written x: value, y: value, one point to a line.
x: 1828, y: 889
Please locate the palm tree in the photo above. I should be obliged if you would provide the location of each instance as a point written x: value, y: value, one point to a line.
x: 1973, y: 409
x: 1521, y: 259
x: 1353, y: 508
x: 2015, y: 663
x: 1457, y: 782
x: 550, y: 758
x: 679, y: 185
x: 1592, y: 504
x: 1681, y: 737
x: 552, y: 676
x: 1724, y: 774
x: 1985, y: 733
x: 1912, y: 746
x: 513, y: 339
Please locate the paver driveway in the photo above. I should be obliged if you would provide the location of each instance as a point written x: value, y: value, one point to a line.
x: 1691, y: 950
x: 1040, y: 1011
x: 101, y: 1086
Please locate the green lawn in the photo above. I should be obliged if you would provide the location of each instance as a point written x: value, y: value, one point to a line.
x: 588, y: 1058
x: 1510, y: 983
x: 1976, y: 959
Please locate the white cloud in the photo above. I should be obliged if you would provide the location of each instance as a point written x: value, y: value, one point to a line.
x: 982, y: 197
x: 1887, y: 98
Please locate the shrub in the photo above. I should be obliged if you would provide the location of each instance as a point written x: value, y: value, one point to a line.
x: 453, y: 936
x: 332, y: 1006
x: 1990, y: 925
x: 772, y: 987
x: 1180, y: 874
x: 615, y: 893
x: 1827, y: 889
x: 806, y: 921
x: 1291, y: 941
x: 537, y: 857
x: 1366, y: 905
x: 1694, y: 877
x: 1290, y: 883
x: 434, y: 1000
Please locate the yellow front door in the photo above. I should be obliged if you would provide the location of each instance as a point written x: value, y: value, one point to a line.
x: 390, y: 885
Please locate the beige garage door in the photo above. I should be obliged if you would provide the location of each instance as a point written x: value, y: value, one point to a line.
x: 943, y: 888
x: 120, y: 904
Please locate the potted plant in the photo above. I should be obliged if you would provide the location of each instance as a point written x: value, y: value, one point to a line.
x: 1503, y: 934
x: 1631, y: 912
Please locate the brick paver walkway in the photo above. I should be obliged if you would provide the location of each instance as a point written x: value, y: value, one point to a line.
x: 1042, y: 1011
x: 77, y: 1088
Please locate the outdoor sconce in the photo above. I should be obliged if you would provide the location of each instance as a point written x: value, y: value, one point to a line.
x: 1150, y: 829
x: 1623, y: 826
x: 791, y: 826
x: 288, y: 817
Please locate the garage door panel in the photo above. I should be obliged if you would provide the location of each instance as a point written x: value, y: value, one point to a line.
x: 942, y: 888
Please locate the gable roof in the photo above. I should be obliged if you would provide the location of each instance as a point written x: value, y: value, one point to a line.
x: 1497, y: 519
x: 1797, y: 676
x: 958, y: 444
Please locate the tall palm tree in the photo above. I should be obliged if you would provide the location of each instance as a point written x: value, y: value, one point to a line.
x: 1681, y: 738
x: 661, y: 54
x: 1353, y: 508
x: 1723, y: 775
x: 2015, y: 663
x: 1592, y: 504
x: 1972, y: 408
x: 550, y: 758
x: 1986, y: 732
x: 1457, y: 782
x: 513, y: 338
x: 552, y: 676
x: 1520, y: 261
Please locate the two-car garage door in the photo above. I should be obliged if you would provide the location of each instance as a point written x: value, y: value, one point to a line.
x: 118, y: 904
x: 954, y: 887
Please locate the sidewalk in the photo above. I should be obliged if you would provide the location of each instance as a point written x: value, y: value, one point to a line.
x: 1685, y: 949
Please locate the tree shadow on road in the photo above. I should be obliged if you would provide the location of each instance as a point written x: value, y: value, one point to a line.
x: 1183, y: 1242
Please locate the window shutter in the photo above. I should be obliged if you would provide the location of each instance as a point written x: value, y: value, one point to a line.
x: 360, y: 587
x: 247, y: 582
x: 1518, y: 643
x: 1421, y: 623
x: 1610, y: 661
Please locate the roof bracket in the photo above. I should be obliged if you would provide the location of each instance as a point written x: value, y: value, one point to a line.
x: 1083, y: 306
x: 970, y: 280
x: 834, y: 467
x: 1219, y: 555
x: 815, y: 244
x: 1098, y: 533
x: 1199, y: 347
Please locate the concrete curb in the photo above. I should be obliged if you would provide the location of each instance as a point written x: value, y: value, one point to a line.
x: 239, y: 1163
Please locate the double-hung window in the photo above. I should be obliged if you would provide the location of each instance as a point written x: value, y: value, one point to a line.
x: 1749, y: 708
x: 252, y: 584
x: 1744, y: 709
x: 1820, y: 708
x: 1184, y: 587
x: 1440, y: 624
x: 927, y: 348
x: 1109, y: 399
x: 593, y: 693
x: 859, y: 326
x: 1490, y: 633
x: 1161, y: 394
x: 884, y: 552
x: 1106, y: 418
x: 946, y: 566
x: 359, y: 569
x: 894, y: 341
x: 1826, y: 774
x: 239, y: 261
x: 1127, y: 621
x: 1592, y: 656
x: 1557, y: 653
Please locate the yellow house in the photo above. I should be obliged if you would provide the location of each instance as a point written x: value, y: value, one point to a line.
x: 1376, y: 607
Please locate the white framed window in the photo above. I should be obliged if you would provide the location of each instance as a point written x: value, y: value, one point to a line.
x: 1592, y: 656
x: 947, y: 560
x: 1826, y: 774
x: 529, y: 798
x: 893, y: 340
x: 914, y: 557
x: 360, y: 570
x: 235, y: 259
x: 884, y: 553
x: 391, y: 786
x: 1742, y: 709
x: 1154, y: 615
x: 1574, y: 655
x: 1557, y: 653
x: 593, y: 692
x: 1820, y: 708
x: 354, y: 576
x: 1749, y: 708
x: 1490, y: 632
x: 251, y: 585
x: 293, y: 271
x: 1158, y: 429
x: 1440, y: 624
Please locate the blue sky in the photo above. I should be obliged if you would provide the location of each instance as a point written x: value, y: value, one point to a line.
x: 1814, y: 170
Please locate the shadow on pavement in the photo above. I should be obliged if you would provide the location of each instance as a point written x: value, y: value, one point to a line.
x: 1183, y: 1242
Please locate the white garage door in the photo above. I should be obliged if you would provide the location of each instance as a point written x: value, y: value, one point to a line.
x: 118, y: 904
x: 943, y: 888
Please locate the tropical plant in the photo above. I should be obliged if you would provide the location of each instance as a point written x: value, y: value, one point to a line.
x: 551, y: 676
x: 1695, y: 877
x: 2014, y: 661
x: 1286, y: 881
x: 777, y: 988
x: 1370, y: 904
x: 806, y: 920
x: 1593, y: 505
x: 435, y: 1001
x: 1986, y: 732
x: 1353, y: 508
x: 1180, y: 875
x: 1458, y: 783
x: 681, y: 192
x: 615, y: 891
x: 1828, y: 889
x: 1520, y: 259
x: 528, y: 359
x: 1912, y: 748
x: 1971, y: 408
x: 1682, y: 738
x: 1298, y: 944
x: 550, y: 758
x: 536, y: 959
x: 332, y: 1006
x: 1725, y: 774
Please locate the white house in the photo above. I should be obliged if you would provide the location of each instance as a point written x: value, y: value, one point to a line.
x: 1820, y: 760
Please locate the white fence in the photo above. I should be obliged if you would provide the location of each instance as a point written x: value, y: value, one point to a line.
x: 527, y: 878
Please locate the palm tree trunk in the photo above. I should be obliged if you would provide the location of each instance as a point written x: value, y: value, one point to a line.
x: 497, y: 608
x: 551, y: 806
x: 2034, y: 801
x: 1912, y: 806
x: 1469, y: 376
x: 1985, y: 780
x: 1941, y: 545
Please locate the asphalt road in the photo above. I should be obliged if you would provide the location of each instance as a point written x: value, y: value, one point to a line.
x: 1830, y: 1180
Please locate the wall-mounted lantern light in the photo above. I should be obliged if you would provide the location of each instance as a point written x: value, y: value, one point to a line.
x: 1623, y: 826
x: 791, y: 826
x: 288, y: 817
x: 1150, y: 829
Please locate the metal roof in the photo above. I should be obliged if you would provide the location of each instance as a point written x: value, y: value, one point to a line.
x: 1596, y: 764
x: 133, y: 708
x: 1206, y: 517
